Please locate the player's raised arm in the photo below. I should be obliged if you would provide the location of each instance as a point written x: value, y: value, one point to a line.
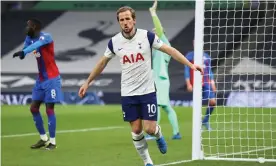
x: 157, y: 23
x: 101, y: 64
x: 179, y: 57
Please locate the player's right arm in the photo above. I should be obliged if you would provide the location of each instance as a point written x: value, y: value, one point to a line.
x: 179, y: 57
x: 210, y: 73
x: 213, y: 84
x: 28, y: 47
x: 43, y: 40
x: 101, y: 64
x: 94, y: 73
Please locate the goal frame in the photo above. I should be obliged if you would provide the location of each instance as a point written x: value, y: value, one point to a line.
x: 197, y: 151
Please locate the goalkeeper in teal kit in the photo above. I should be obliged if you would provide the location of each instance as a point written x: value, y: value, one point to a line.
x: 160, y: 67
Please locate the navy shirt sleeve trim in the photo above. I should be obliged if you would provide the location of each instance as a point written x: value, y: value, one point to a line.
x: 110, y: 46
x: 151, y: 37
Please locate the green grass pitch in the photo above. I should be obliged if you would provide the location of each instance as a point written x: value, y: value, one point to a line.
x: 97, y: 136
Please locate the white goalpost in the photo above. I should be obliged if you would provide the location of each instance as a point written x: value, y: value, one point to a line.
x: 240, y: 37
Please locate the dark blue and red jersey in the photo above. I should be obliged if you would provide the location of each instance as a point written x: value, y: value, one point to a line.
x: 42, y: 48
x: 208, y: 74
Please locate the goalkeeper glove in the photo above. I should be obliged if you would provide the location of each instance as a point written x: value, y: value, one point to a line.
x: 153, y: 8
x: 19, y: 54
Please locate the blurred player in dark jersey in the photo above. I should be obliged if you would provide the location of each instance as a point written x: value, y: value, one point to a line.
x: 47, y: 88
x: 208, y: 85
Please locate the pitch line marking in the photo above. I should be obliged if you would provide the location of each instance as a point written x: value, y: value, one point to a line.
x: 66, y: 131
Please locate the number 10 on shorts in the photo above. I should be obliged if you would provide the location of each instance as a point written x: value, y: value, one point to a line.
x: 151, y: 108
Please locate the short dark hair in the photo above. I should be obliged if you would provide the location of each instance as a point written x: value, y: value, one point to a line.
x: 124, y: 9
x: 37, y: 23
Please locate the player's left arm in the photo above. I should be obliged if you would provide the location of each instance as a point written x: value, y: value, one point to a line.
x: 179, y: 57
x: 26, y: 42
x: 156, y: 43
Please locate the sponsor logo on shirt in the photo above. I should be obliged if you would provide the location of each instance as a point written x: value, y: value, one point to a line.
x: 133, y: 58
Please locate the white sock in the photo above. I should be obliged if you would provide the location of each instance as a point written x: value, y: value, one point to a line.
x: 141, y: 146
x: 158, y: 133
x: 44, y: 137
x: 53, y: 141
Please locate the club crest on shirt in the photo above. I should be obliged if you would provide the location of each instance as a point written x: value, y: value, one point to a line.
x: 140, y: 45
x: 41, y: 38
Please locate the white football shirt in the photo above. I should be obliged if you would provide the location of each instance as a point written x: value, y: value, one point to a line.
x: 135, y: 56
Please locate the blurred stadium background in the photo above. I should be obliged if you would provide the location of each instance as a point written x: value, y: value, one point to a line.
x: 78, y: 45
x: 81, y: 31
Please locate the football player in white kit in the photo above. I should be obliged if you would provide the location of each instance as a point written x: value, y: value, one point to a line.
x: 139, y: 104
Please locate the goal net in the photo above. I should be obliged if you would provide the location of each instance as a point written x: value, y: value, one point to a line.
x: 240, y: 37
